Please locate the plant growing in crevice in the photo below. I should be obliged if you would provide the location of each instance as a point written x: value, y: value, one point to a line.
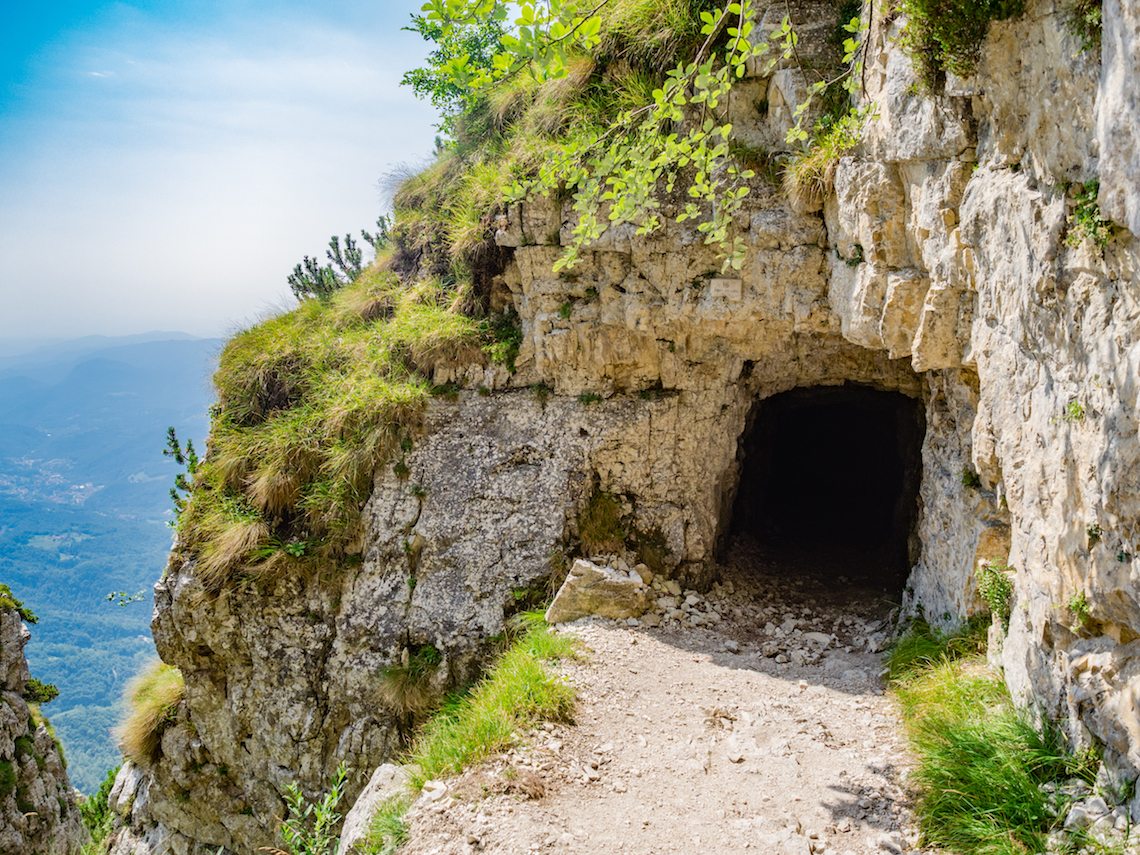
x: 600, y: 526
x: 406, y: 686
x: 995, y: 586
x: 1079, y: 606
x: 505, y: 332
x: 943, y: 36
x: 810, y: 174
x: 970, y: 478
x: 1074, y: 411
x: 1094, y: 533
x: 309, y: 829
x: 1086, y: 220
x: 153, y: 699
x: 1083, y: 19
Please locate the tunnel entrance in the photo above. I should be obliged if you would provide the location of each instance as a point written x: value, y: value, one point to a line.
x: 829, y: 483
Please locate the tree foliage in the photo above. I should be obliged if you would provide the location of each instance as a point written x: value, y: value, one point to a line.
x: 681, y: 136
x: 458, y: 47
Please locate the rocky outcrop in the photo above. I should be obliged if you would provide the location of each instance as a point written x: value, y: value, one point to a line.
x: 944, y: 266
x: 38, y: 814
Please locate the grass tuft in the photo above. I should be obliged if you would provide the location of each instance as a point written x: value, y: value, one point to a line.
x: 600, y: 526
x: 388, y: 831
x: 810, y: 175
x: 981, y: 762
x: 518, y: 691
x: 152, y: 699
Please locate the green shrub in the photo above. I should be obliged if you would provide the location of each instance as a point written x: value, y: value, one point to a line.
x: 970, y: 478
x: 38, y: 692
x: 1083, y: 18
x: 1086, y: 220
x: 505, y: 333
x: 1074, y: 411
x: 309, y: 828
x: 96, y: 813
x: 152, y: 700
x: 995, y: 586
x: 9, y: 601
x: 1079, y: 606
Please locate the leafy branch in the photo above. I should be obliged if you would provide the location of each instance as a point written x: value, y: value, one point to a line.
x: 614, y: 176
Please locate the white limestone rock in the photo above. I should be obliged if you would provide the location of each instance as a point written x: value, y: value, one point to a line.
x: 590, y: 589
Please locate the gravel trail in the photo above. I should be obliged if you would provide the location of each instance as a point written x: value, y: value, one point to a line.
x: 762, y: 728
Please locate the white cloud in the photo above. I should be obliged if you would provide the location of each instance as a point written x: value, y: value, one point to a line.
x: 181, y: 193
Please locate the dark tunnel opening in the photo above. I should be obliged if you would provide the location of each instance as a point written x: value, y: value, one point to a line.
x: 829, y: 482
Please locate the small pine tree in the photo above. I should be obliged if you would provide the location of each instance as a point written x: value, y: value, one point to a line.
x: 187, y: 458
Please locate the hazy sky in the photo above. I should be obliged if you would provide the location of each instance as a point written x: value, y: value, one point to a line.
x: 163, y: 165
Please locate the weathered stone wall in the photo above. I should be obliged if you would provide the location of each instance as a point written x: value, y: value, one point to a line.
x: 937, y: 267
x: 38, y: 815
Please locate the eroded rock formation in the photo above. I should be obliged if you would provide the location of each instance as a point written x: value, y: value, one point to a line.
x: 38, y: 815
x: 938, y: 268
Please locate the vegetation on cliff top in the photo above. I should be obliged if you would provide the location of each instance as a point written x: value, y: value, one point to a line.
x: 310, y: 403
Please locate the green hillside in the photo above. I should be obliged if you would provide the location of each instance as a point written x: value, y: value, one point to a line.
x: 83, y: 510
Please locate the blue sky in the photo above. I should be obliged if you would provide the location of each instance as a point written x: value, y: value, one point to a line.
x: 163, y: 165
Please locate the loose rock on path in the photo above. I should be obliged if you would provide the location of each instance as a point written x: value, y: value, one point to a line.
x: 760, y: 726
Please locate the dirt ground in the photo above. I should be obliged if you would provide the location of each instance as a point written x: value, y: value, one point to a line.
x: 763, y: 728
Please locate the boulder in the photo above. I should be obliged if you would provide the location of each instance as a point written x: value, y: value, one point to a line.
x: 593, y: 590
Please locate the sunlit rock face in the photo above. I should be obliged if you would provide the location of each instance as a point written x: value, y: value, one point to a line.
x: 37, y: 804
x: 936, y: 271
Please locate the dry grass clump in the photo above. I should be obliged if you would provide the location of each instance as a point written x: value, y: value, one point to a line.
x: 600, y: 527
x: 310, y: 403
x: 810, y: 175
x: 152, y: 699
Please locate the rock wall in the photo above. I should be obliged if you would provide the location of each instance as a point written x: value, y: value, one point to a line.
x: 938, y: 267
x: 38, y: 815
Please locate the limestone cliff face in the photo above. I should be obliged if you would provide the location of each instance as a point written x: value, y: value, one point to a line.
x: 38, y: 815
x: 938, y: 268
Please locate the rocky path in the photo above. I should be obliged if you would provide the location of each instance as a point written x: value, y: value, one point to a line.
x: 761, y: 726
